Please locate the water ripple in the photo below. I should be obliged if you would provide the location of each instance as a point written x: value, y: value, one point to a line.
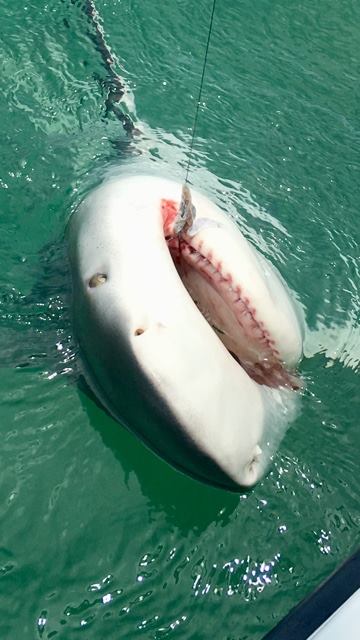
x: 125, y: 545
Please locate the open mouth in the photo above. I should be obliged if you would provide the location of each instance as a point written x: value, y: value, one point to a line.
x: 221, y: 300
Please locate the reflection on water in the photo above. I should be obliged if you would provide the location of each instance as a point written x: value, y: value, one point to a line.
x: 336, y: 342
x: 99, y: 535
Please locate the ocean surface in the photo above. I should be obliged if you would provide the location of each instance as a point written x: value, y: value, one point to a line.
x: 98, y: 537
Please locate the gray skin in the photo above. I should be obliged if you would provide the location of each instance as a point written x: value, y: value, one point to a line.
x: 150, y: 356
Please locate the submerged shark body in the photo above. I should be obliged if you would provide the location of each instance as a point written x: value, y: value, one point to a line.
x: 189, y: 336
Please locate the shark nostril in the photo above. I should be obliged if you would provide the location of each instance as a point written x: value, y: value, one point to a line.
x: 97, y: 279
x: 139, y: 332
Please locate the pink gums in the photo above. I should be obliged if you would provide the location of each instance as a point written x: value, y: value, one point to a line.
x: 169, y: 211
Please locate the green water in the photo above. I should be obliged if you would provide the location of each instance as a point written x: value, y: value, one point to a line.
x: 99, y: 538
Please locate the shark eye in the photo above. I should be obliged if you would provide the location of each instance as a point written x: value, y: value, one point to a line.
x: 97, y: 279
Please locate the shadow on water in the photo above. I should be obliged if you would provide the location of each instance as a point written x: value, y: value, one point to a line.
x: 164, y: 486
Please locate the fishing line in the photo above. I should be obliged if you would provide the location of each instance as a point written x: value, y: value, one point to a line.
x: 200, y: 92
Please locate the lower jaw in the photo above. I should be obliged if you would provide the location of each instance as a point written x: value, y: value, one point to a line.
x: 230, y: 316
